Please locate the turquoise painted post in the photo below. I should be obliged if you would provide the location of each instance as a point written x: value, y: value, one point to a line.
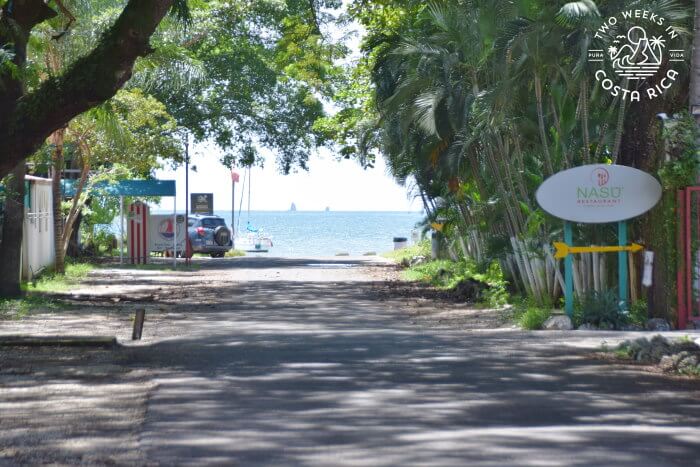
x: 569, y: 271
x: 622, y: 261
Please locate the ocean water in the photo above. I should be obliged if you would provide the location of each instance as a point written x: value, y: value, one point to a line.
x: 306, y: 233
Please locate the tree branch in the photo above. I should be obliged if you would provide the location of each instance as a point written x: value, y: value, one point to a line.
x: 17, y: 19
x: 90, y: 81
x: 71, y: 19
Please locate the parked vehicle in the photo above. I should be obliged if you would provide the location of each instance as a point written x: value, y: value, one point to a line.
x: 209, y: 234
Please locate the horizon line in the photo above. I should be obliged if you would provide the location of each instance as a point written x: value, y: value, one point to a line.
x: 303, y: 210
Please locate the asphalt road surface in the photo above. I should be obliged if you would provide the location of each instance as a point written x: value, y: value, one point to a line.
x: 301, y: 362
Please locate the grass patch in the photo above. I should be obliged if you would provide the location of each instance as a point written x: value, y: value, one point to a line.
x: 443, y: 274
x: 49, y: 281
x: 19, y: 308
x: 448, y: 275
x: 533, y: 318
x: 404, y: 255
x: 530, y: 315
x: 228, y: 254
x: 622, y: 354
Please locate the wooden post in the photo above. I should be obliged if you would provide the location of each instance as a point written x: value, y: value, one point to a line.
x: 139, y: 318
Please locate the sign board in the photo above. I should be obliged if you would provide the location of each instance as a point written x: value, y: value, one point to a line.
x: 202, y: 203
x: 162, y: 229
x: 597, y: 194
x: 564, y: 250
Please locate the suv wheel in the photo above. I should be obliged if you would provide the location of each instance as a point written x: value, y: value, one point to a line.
x: 217, y: 255
x: 222, y: 236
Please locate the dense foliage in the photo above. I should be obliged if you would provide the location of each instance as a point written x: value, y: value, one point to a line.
x: 477, y: 102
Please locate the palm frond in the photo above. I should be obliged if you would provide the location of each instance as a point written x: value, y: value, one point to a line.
x: 181, y: 11
x: 573, y: 12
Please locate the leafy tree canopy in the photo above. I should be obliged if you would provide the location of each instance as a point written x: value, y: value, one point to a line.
x: 263, y: 69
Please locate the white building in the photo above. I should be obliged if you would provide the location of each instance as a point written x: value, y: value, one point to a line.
x: 38, y: 240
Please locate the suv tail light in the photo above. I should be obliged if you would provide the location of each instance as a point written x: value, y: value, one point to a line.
x: 200, y: 231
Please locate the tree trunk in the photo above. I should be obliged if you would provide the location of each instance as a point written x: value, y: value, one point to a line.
x: 620, y: 129
x: 27, y: 121
x: 695, y: 68
x: 543, y: 132
x: 584, y: 121
x: 76, y: 207
x: 12, y: 231
x: 73, y: 249
x: 57, y: 167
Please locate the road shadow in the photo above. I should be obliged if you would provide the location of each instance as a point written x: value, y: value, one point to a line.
x: 307, y: 373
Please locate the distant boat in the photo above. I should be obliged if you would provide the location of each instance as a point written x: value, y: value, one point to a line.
x: 328, y: 209
x: 251, y: 239
x: 293, y: 208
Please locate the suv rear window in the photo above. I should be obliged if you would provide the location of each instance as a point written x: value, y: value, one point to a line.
x: 212, y: 223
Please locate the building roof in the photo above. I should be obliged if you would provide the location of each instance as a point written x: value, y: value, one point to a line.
x: 126, y: 188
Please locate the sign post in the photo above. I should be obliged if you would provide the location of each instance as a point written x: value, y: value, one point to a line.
x: 598, y: 194
x: 569, y: 271
x: 622, y: 263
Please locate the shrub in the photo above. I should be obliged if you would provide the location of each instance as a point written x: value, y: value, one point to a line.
x: 638, y: 313
x: 601, y: 309
x: 497, y: 294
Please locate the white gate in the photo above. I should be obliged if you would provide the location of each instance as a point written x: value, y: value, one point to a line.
x: 38, y: 241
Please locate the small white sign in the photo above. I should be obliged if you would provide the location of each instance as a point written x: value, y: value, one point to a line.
x: 162, y: 229
x: 648, y: 269
x: 597, y: 194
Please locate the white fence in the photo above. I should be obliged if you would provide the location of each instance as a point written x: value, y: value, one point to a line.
x: 38, y: 241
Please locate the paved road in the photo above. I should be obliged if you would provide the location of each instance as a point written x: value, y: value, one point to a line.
x: 281, y: 362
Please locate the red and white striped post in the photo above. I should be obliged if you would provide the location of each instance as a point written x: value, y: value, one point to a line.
x: 138, y: 233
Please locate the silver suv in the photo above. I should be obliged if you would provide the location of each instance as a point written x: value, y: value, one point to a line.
x: 209, y: 234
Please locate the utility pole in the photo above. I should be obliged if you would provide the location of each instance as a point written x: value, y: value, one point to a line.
x: 234, y: 179
x: 188, y: 248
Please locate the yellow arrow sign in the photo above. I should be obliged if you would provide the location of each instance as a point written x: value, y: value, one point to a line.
x: 564, y: 250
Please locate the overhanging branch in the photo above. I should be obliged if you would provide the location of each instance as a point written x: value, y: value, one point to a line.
x: 90, y: 81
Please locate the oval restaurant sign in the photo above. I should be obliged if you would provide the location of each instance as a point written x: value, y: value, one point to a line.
x: 596, y: 194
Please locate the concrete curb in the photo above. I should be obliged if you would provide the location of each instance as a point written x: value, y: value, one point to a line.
x: 58, y: 341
